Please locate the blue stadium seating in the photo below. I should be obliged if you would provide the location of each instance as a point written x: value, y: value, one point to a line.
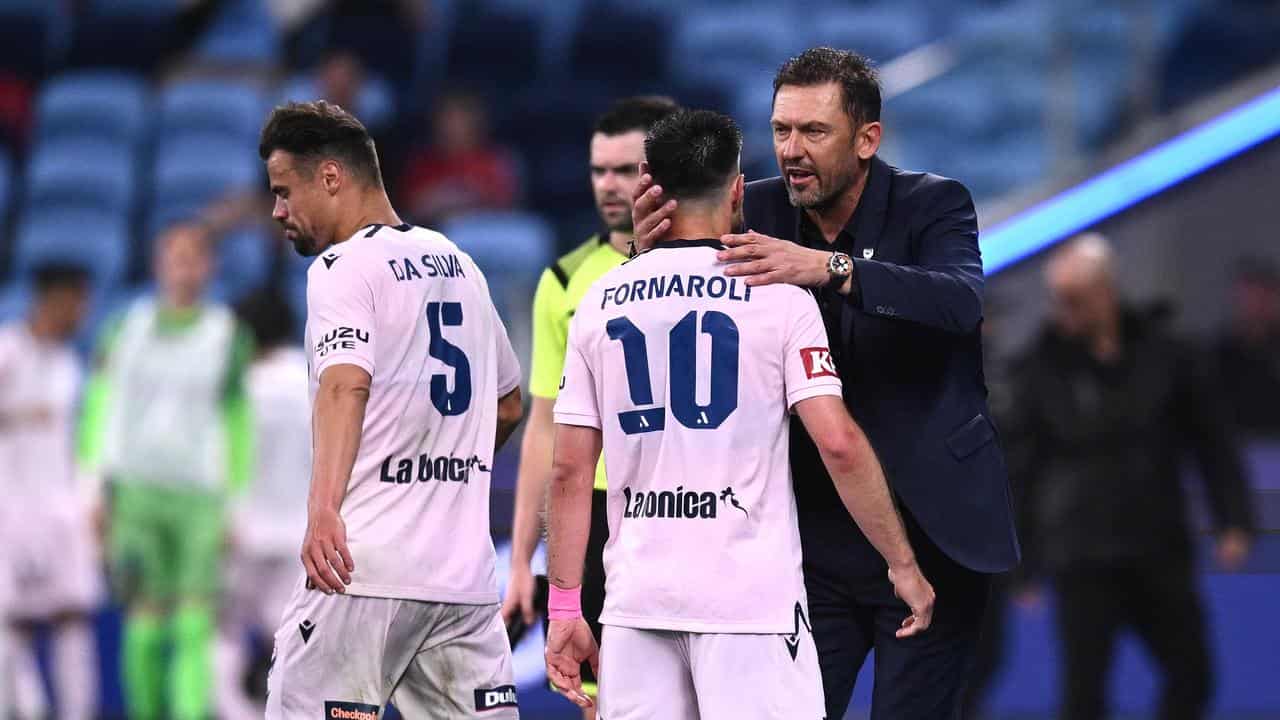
x: 244, y: 263
x: 82, y: 173
x: 375, y: 105
x: 243, y: 33
x: 742, y: 47
x: 210, y: 106
x: 199, y: 168
x: 97, y: 239
x: 487, y: 38
x: 881, y: 32
x: 33, y: 34
x: 110, y: 105
x: 511, y: 243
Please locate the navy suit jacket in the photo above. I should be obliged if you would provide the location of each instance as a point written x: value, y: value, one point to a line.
x: 912, y: 361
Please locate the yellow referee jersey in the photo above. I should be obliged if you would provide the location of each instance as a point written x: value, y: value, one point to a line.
x: 559, y: 291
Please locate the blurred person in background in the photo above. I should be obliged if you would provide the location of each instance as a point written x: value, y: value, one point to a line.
x: 1106, y: 400
x: 1249, y: 350
x: 268, y: 520
x: 52, y: 553
x: 462, y: 170
x: 617, y: 147
x: 167, y: 424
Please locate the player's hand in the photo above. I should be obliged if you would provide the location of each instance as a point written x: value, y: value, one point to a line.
x: 324, y: 552
x: 765, y: 260
x: 519, y: 599
x: 650, y: 216
x: 569, y: 644
x: 911, y: 587
x: 1232, y: 549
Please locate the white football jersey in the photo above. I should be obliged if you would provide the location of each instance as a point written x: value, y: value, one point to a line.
x: 39, y: 394
x: 691, y: 376
x: 413, y: 310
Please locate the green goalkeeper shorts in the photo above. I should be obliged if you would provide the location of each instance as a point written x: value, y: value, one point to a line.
x: 166, y: 544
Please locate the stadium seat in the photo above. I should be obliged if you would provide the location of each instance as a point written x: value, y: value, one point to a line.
x: 201, y: 168
x: 85, y: 173
x: 243, y: 33
x: 487, y: 38
x: 557, y: 20
x: 594, y: 54
x: 742, y: 47
x: 33, y: 34
x: 1103, y: 69
x: 98, y: 240
x: 513, y: 243
x: 200, y: 106
x: 375, y: 104
x: 109, y: 105
x: 881, y: 32
x: 244, y: 263
x: 126, y: 33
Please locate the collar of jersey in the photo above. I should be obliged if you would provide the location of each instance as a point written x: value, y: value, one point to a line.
x: 683, y: 243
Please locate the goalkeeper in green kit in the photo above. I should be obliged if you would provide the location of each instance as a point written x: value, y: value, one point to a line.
x: 166, y: 426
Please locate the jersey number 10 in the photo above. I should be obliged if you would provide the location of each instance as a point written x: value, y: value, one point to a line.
x: 682, y: 372
x: 448, y: 314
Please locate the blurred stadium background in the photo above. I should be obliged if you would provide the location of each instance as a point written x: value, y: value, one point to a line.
x: 1155, y: 121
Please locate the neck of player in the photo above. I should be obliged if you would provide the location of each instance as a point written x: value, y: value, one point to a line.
x: 696, y: 219
x: 833, y: 216
x: 373, y: 209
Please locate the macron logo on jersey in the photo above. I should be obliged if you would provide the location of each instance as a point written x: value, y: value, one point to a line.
x: 818, y: 362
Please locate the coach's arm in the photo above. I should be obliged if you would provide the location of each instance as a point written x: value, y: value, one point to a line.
x: 943, y: 288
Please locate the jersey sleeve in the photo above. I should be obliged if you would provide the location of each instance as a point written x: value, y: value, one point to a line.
x: 550, y: 337
x: 577, y: 403
x: 808, y: 369
x: 340, y: 314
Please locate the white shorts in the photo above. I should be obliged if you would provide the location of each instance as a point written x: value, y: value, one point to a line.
x: 53, y: 564
x: 344, y: 657
x: 646, y: 674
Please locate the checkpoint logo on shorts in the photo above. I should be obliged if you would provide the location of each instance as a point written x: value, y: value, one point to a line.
x: 818, y: 362
x: 494, y: 698
x: 338, y: 710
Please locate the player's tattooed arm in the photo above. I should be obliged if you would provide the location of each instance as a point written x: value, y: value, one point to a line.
x: 336, y: 423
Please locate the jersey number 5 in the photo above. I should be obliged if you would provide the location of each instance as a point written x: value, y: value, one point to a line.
x: 448, y: 314
x: 682, y: 371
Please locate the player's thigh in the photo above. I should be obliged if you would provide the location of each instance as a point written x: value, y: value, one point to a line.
x: 645, y: 674
x: 336, y: 652
x: 464, y: 669
x: 757, y: 677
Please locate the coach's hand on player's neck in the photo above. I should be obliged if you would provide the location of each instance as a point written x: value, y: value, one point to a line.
x: 712, y: 216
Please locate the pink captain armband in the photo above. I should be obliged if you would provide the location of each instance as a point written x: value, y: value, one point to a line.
x: 564, y: 604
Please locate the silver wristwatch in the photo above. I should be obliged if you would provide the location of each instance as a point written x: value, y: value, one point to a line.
x: 839, y: 267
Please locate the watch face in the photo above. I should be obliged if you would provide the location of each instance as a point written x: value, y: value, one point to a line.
x: 840, y: 264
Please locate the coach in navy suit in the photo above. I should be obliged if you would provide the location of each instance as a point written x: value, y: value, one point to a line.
x: 893, y: 258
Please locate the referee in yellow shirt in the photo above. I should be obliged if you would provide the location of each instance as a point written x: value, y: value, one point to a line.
x: 617, y: 147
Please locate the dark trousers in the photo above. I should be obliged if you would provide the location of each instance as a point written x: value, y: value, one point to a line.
x: 853, y: 609
x: 1160, y: 603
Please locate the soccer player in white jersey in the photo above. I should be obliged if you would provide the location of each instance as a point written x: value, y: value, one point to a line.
x: 49, y: 542
x: 414, y: 386
x: 687, y: 379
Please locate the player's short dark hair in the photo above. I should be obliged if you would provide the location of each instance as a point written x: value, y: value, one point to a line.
x: 269, y: 316
x: 859, y: 82
x: 58, y: 274
x: 314, y: 131
x: 638, y: 113
x: 693, y: 153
